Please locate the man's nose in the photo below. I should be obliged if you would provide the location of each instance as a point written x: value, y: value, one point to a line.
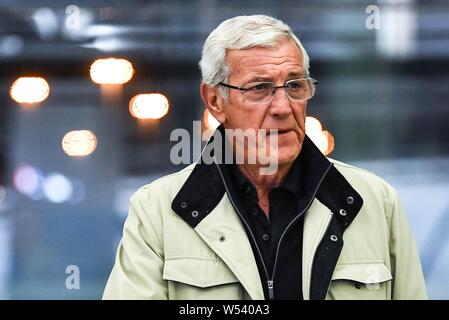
x: 280, y: 106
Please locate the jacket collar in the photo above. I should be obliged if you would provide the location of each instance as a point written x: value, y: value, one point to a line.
x: 204, y: 189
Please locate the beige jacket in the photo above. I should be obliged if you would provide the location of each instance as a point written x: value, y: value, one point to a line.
x: 169, y: 251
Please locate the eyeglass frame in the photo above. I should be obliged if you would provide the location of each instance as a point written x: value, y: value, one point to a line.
x: 243, y: 90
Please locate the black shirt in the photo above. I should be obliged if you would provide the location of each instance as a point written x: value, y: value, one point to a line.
x: 284, y: 224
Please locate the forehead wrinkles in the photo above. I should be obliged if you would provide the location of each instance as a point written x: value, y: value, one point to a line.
x: 267, y: 61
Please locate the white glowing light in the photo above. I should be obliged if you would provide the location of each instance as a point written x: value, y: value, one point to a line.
x: 11, y: 45
x: 398, y: 32
x: 30, y: 90
x: 210, y: 121
x: 111, y: 71
x: 313, y: 125
x: 46, y: 23
x: 79, y: 191
x: 27, y: 180
x: 79, y: 143
x: 57, y: 188
x: 148, y: 106
x: 322, y: 139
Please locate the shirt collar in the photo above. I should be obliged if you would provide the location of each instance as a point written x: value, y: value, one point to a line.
x: 291, y: 183
x: 309, y: 161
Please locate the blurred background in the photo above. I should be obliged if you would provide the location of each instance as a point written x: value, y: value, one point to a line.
x: 78, y: 135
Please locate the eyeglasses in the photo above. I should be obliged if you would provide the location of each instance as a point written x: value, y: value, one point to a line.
x: 264, y: 92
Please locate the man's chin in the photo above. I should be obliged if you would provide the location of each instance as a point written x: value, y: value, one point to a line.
x: 282, y: 161
x: 287, y: 156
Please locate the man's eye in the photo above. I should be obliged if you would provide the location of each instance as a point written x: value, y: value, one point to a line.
x: 295, y: 85
x: 260, y: 87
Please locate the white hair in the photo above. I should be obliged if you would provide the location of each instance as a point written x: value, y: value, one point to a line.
x: 242, y: 32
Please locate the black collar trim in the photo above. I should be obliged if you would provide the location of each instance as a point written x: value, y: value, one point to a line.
x: 204, y: 188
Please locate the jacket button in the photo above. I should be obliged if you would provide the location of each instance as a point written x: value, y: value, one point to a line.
x: 334, y: 238
x: 194, y: 213
x: 349, y: 200
x: 342, y: 212
x: 222, y: 238
x: 265, y: 237
x: 255, y: 212
x: 248, y: 190
x: 183, y: 204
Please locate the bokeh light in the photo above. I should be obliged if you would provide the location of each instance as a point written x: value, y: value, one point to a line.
x: 149, y: 106
x: 313, y: 125
x: 111, y: 71
x: 209, y: 120
x: 57, y: 188
x: 29, y: 90
x: 79, y: 143
x: 78, y: 192
x: 27, y: 179
x: 322, y: 139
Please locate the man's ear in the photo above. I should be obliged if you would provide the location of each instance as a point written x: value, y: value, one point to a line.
x: 213, y: 101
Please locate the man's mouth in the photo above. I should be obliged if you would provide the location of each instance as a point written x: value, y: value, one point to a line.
x: 279, y: 132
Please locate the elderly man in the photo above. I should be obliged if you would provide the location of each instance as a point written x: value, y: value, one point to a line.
x: 314, y: 228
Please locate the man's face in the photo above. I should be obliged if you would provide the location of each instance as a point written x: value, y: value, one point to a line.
x: 276, y: 65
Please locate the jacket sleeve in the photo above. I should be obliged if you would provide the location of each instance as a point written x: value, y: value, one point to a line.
x: 137, y: 273
x: 408, y: 279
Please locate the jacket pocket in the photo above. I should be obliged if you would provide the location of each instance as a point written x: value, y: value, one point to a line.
x: 192, y: 278
x: 360, y: 281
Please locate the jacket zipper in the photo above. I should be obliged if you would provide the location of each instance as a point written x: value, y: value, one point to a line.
x: 270, y: 290
x: 297, y: 217
x: 270, y: 282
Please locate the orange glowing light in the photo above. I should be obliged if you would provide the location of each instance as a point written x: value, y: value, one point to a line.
x: 79, y: 143
x: 30, y: 90
x: 322, y: 139
x: 209, y: 120
x: 111, y: 71
x: 148, y: 106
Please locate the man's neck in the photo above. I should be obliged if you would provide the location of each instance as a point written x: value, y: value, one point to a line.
x: 264, y: 183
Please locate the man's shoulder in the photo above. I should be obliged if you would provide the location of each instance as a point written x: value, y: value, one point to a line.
x: 351, y: 169
x: 364, y: 180
x: 168, y: 184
